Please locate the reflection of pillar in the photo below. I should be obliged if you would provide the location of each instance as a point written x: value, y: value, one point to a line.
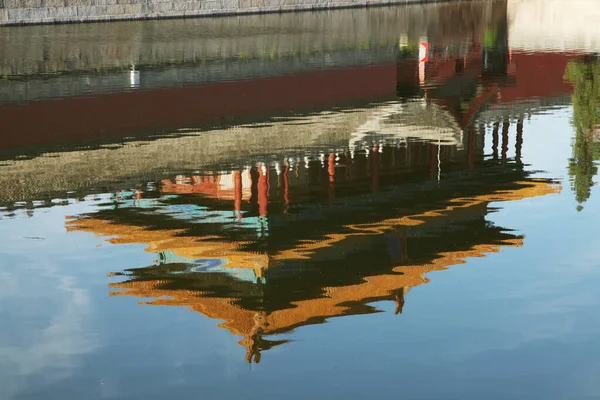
x: 375, y: 169
x: 286, y: 187
x: 237, y: 193
x: 263, y: 191
x: 495, y: 140
x: 505, y: 127
x: 519, y: 144
x: 349, y: 164
x: 331, y: 167
x: 331, y: 173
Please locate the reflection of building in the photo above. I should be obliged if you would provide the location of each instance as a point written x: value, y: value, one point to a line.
x: 319, y: 261
x: 357, y: 65
x: 471, y: 77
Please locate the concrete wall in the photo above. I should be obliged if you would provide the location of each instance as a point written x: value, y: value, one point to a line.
x: 21, y: 12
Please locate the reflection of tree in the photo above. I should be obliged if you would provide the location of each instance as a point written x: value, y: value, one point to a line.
x: 585, y: 76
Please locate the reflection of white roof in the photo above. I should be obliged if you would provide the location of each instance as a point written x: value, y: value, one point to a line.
x: 417, y: 120
x: 554, y: 25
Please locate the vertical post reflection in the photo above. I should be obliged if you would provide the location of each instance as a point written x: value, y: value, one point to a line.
x: 263, y: 191
x: 495, y: 140
x: 237, y: 193
x: 331, y: 173
x: 505, y: 128
x: 375, y: 169
x: 519, y: 144
x: 286, y: 188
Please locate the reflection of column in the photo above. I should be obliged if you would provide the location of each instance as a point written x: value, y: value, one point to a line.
x: 286, y: 188
x: 331, y: 173
x: 375, y: 169
x: 263, y: 191
x: 349, y: 163
x: 495, y: 140
x: 519, y: 144
x: 505, y: 127
x: 331, y: 167
x: 237, y: 193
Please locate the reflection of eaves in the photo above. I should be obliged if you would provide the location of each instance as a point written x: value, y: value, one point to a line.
x: 416, y: 120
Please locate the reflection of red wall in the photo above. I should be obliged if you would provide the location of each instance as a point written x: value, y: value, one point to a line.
x: 538, y: 75
x: 532, y: 75
x: 129, y: 112
x: 440, y: 68
x: 408, y: 71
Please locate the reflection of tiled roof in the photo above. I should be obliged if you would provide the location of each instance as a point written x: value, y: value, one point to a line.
x: 215, y: 247
x: 335, y: 301
x: 161, y: 240
x: 529, y: 189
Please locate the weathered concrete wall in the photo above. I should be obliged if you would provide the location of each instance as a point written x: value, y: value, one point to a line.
x: 22, y: 12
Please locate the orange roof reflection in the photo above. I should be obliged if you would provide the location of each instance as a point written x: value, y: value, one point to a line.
x: 334, y: 301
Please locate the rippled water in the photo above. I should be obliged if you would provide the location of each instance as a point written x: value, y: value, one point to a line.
x: 366, y: 203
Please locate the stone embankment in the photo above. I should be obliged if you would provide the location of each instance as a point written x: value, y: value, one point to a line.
x: 26, y: 12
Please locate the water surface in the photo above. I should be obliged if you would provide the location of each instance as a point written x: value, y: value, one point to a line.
x: 382, y: 202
